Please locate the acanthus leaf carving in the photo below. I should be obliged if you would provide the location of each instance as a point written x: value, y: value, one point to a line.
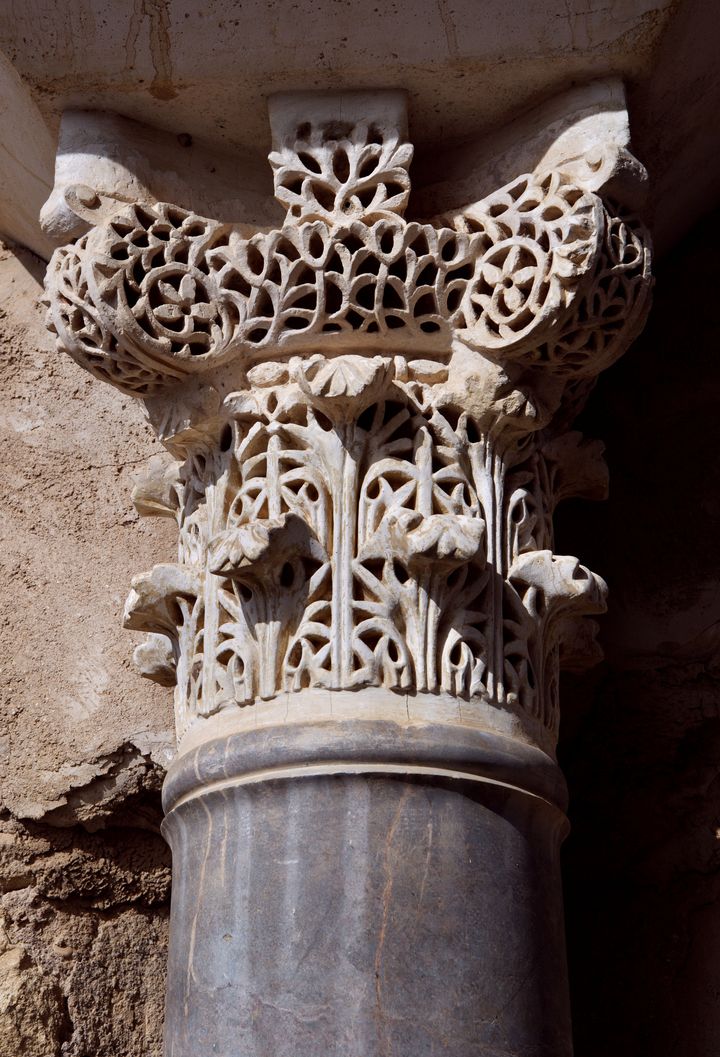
x: 346, y: 385
x: 259, y: 550
x: 155, y: 660
x: 576, y: 467
x: 441, y: 539
x: 156, y: 491
x: 154, y: 596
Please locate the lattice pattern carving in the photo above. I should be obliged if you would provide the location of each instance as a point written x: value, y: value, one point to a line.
x: 537, y: 273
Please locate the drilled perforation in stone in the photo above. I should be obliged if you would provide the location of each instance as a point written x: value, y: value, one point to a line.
x: 538, y: 272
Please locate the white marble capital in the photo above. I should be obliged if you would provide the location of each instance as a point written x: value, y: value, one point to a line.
x: 366, y: 416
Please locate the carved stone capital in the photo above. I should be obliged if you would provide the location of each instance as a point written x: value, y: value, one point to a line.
x: 367, y: 418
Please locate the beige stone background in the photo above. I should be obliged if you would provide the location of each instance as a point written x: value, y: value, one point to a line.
x: 84, y: 872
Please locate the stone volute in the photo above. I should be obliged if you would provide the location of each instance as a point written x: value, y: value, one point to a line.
x: 367, y: 425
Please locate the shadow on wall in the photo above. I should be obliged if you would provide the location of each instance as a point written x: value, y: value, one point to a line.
x: 641, y: 735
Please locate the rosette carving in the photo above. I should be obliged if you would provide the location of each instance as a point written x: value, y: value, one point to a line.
x: 536, y: 240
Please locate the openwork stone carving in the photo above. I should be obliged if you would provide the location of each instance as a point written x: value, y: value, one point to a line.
x: 365, y: 421
x: 337, y: 169
x: 159, y: 293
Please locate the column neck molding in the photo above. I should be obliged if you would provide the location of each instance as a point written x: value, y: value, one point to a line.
x: 366, y: 418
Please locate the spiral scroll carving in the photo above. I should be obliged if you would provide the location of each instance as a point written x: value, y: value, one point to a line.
x: 538, y: 273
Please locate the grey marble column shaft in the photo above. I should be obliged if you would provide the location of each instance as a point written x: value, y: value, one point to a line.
x: 360, y: 889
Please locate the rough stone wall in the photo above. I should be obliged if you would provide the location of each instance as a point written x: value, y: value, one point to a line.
x: 84, y: 872
x: 641, y: 745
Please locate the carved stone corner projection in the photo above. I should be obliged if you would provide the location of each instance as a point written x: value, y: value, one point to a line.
x: 367, y: 426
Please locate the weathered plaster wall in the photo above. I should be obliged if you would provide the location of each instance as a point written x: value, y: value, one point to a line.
x: 642, y: 732
x: 84, y: 873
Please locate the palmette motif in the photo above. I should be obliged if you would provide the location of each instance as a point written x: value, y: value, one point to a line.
x: 399, y: 548
x: 364, y: 417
